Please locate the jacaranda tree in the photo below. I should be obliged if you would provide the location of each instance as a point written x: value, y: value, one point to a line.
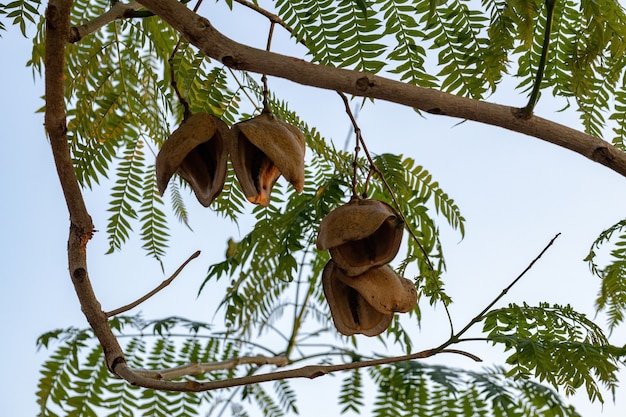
x: 311, y: 280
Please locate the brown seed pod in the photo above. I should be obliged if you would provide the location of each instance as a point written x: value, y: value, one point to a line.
x: 198, y: 152
x: 264, y: 148
x: 351, y: 313
x: 361, y: 234
x: 383, y: 289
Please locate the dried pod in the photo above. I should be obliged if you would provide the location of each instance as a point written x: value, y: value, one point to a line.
x: 266, y: 147
x: 383, y: 289
x: 198, y: 152
x: 361, y: 234
x: 351, y: 313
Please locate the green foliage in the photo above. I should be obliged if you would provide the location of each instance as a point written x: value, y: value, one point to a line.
x: 407, y: 55
x: 75, y: 381
x: 21, y: 12
x: 586, y: 62
x: 351, y: 394
x: 411, y: 389
x: 557, y: 345
x: 612, y: 294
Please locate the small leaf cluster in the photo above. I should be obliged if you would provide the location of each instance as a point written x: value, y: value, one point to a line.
x: 612, y: 295
x: 557, y: 345
x: 21, y: 13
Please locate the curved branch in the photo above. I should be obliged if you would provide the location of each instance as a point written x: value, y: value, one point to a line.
x: 310, y: 372
x: 81, y: 226
x: 199, y: 32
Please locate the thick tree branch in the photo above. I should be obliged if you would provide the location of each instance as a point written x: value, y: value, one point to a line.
x: 199, y: 32
x: 81, y: 227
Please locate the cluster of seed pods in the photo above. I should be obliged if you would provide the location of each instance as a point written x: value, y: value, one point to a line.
x: 261, y: 149
x: 362, y: 236
x: 362, y: 290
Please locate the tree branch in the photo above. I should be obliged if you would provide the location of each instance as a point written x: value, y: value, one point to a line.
x: 193, y: 369
x: 118, y: 11
x: 310, y: 372
x: 480, y: 315
x: 154, y: 291
x: 81, y: 226
x: 199, y: 32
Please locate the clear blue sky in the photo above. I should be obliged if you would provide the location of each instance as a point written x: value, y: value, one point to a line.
x: 515, y: 192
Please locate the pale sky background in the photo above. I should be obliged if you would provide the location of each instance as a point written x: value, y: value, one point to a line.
x: 516, y: 193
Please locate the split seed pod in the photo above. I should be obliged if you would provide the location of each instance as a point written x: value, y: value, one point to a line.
x: 351, y: 313
x: 198, y: 152
x: 361, y: 234
x: 266, y: 147
x: 383, y: 289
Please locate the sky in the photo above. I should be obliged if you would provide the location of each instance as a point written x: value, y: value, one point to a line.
x: 516, y: 193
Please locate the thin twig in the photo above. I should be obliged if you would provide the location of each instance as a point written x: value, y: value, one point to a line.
x: 271, y: 16
x: 266, y: 91
x: 174, y: 83
x: 154, y: 291
x: 299, y: 314
x: 480, y: 315
x: 196, y: 368
x: 357, y: 132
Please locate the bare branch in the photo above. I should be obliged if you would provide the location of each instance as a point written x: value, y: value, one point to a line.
x: 118, y: 11
x: 154, y: 291
x: 199, y: 32
x: 480, y: 315
x: 193, y: 369
x: 310, y: 372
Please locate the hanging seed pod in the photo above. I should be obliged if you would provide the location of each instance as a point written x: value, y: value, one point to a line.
x: 351, y: 313
x: 361, y: 234
x: 266, y: 147
x: 383, y: 289
x: 198, y: 152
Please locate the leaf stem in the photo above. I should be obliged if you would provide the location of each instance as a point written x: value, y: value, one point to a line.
x: 266, y: 91
x: 357, y: 132
x: 534, y: 95
x: 298, y: 315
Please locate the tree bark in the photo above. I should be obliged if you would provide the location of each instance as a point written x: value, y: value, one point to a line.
x: 81, y: 226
